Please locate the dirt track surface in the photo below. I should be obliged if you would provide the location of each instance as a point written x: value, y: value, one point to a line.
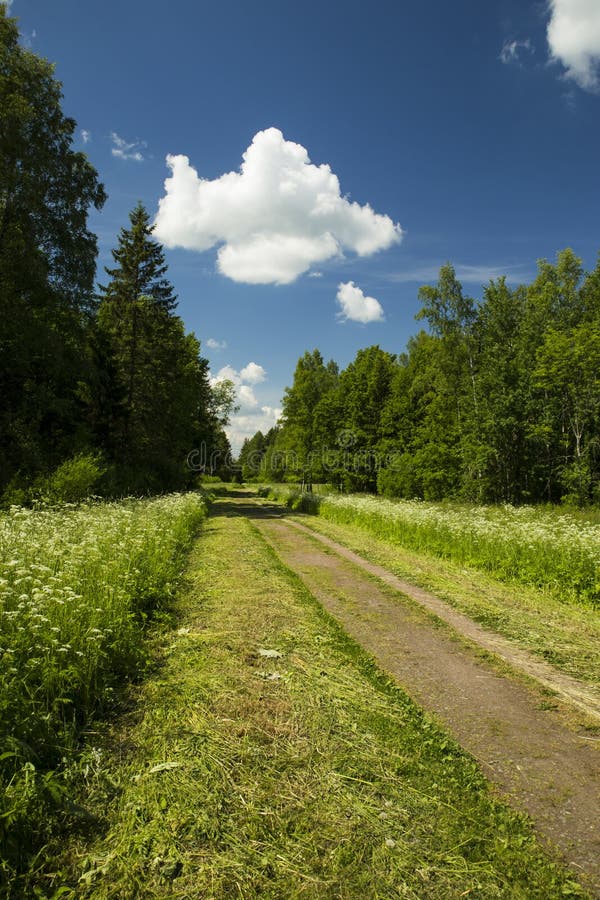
x: 544, y: 768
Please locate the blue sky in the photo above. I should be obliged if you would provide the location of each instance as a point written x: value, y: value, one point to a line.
x: 470, y: 129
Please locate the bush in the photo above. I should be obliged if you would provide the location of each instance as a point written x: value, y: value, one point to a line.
x: 73, y: 481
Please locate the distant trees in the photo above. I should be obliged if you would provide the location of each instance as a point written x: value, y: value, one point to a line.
x: 497, y: 401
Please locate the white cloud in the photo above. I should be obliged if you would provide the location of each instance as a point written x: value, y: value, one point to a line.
x: 355, y: 306
x: 213, y: 344
x: 574, y: 40
x: 274, y: 218
x: 315, y: 274
x: 86, y: 136
x: 512, y: 50
x: 124, y: 150
x: 243, y: 381
x: 227, y: 373
x: 245, y: 426
x: 253, y: 373
x: 246, y: 397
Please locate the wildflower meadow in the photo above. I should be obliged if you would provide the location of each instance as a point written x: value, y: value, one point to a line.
x: 77, y: 584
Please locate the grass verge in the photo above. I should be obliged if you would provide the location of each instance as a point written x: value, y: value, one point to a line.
x: 272, y: 758
x: 567, y: 635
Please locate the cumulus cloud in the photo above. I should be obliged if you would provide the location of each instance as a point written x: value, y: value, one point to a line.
x: 574, y: 40
x: 512, y: 51
x: 253, y: 373
x: 274, y: 218
x: 124, y: 150
x: 354, y: 306
x: 244, y: 380
x: 246, y: 425
x: 213, y: 344
x: 86, y: 136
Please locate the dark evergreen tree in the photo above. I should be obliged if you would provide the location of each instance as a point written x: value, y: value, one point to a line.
x: 140, y: 266
x: 156, y: 405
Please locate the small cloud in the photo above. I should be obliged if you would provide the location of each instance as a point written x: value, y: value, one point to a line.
x: 86, y: 136
x: 356, y: 307
x: 213, y: 344
x: 315, y: 274
x: 469, y: 274
x: 513, y: 51
x: 28, y: 39
x: 129, y: 151
x: 227, y: 373
x: 573, y: 35
x: 253, y: 373
x: 273, y: 219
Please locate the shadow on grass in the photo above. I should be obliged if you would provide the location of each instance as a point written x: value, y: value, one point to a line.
x: 239, y: 503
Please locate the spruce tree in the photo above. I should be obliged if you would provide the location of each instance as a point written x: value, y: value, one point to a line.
x: 141, y: 266
x: 156, y: 392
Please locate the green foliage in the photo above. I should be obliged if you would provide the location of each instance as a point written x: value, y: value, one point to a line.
x: 47, y: 265
x: 498, y: 402
x: 154, y: 403
x: 73, y: 481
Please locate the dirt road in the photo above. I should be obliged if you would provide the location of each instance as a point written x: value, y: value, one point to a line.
x: 543, y: 767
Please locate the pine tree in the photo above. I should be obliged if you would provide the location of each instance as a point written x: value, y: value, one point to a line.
x: 141, y: 266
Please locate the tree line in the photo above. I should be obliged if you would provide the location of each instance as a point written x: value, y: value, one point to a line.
x: 495, y: 401
x: 102, y: 387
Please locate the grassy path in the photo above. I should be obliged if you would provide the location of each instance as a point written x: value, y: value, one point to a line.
x: 267, y: 756
x: 546, y: 768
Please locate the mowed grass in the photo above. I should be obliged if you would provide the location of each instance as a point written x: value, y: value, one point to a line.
x: 77, y: 584
x: 269, y: 757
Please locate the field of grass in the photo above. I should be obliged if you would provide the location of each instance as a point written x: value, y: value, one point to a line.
x: 77, y: 584
x: 536, y: 546
x: 269, y: 757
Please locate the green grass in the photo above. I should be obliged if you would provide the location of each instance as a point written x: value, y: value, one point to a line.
x: 77, y: 584
x: 269, y: 757
x: 537, y: 546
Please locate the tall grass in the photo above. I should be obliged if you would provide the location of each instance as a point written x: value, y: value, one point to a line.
x: 76, y: 585
x: 534, y: 545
